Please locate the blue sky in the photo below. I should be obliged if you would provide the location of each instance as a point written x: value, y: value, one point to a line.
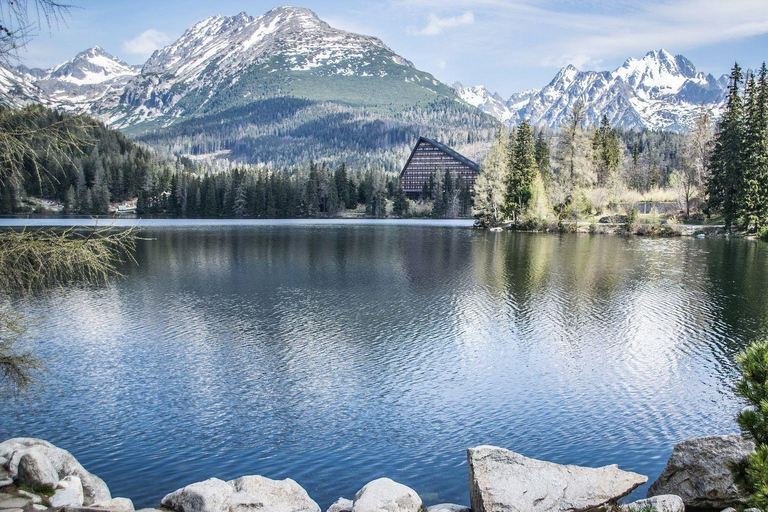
x: 507, y: 45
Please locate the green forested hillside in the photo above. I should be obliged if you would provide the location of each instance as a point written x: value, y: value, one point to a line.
x: 100, y: 165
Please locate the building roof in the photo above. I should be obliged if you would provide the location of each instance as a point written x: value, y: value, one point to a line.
x: 443, y: 148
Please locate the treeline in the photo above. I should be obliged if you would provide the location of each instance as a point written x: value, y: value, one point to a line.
x: 321, y: 192
x: 94, y: 165
x: 737, y: 185
x: 539, y: 176
x: 289, y: 132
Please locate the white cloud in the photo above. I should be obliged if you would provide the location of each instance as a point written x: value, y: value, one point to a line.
x: 147, y: 42
x: 436, y: 24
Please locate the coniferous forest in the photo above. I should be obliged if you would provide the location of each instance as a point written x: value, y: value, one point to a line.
x: 530, y: 176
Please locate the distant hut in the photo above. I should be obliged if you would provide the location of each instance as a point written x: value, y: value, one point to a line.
x: 429, y: 157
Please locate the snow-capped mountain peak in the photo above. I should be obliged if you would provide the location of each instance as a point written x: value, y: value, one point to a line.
x: 297, y: 34
x: 480, y: 97
x: 92, y: 66
x: 660, y: 91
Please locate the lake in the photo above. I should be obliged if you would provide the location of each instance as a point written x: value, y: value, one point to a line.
x: 336, y: 352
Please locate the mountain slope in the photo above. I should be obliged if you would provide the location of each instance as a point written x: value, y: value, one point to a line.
x: 279, y: 89
x: 659, y: 91
x: 336, y: 86
x: 224, y: 62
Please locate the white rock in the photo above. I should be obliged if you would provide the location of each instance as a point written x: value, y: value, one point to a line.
x: 501, y: 480
x: 210, y: 495
x: 274, y: 495
x: 341, y: 505
x: 385, y: 495
x: 448, y: 507
x: 38, y: 506
x: 94, y: 488
x: 6, y: 481
x: 68, y: 494
x: 35, y: 470
x: 699, y: 472
x: 7, y: 501
x: 115, y: 504
x: 34, y: 497
x: 661, y: 503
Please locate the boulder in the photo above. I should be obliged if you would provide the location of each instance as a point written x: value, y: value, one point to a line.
x: 116, y: 504
x: 36, y: 470
x: 699, y: 472
x: 448, y: 507
x: 662, y: 503
x: 210, y: 495
x: 504, y: 481
x: 385, y: 495
x: 341, y: 505
x: 273, y: 495
x: 69, y: 493
x: 94, y: 488
x: 32, y: 496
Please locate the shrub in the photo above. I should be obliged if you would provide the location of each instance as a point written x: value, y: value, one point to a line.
x: 629, y: 225
x: 762, y: 233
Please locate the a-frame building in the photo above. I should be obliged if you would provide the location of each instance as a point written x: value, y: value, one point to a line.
x: 429, y: 157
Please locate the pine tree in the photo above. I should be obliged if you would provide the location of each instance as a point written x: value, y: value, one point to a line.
x: 752, y: 472
x: 726, y: 164
x: 753, y: 193
x: 606, y: 151
x: 543, y: 158
x: 522, y: 173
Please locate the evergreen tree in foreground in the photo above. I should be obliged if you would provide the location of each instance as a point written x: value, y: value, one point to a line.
x: 752, y: 473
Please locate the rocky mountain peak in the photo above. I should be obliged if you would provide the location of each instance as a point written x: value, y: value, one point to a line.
x: 92, y: 66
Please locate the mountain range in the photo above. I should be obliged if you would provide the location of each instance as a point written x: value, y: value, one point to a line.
x: 660, y: 91
x: 285, y: 87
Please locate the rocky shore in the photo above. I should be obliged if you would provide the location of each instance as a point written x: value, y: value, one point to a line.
x: 36, y: 475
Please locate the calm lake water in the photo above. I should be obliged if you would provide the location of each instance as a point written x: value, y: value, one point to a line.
x: 338, y: 352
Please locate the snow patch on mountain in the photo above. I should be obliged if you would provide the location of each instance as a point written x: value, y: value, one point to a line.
x: 660, y: 91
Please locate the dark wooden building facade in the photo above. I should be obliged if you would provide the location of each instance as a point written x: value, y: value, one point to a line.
x: 428, y: 157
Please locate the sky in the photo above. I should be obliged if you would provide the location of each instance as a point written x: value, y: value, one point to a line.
x: 507, y: 45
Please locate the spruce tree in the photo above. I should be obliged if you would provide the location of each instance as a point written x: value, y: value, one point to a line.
x: 726, y: 164
x: 543, y: 158
x: 523, y: 171
x: 753, y: 194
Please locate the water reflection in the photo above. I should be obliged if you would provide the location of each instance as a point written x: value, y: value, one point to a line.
x: 335, y: 354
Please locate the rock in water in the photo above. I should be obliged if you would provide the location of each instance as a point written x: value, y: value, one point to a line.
x: 273, y: 495
x: 385, y: 495
x: 210, y: 495
x: 661, y: 503
x: 94, y: 488
x: 36, y: 470
x: 698, y: 471
x: 505, y: 481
